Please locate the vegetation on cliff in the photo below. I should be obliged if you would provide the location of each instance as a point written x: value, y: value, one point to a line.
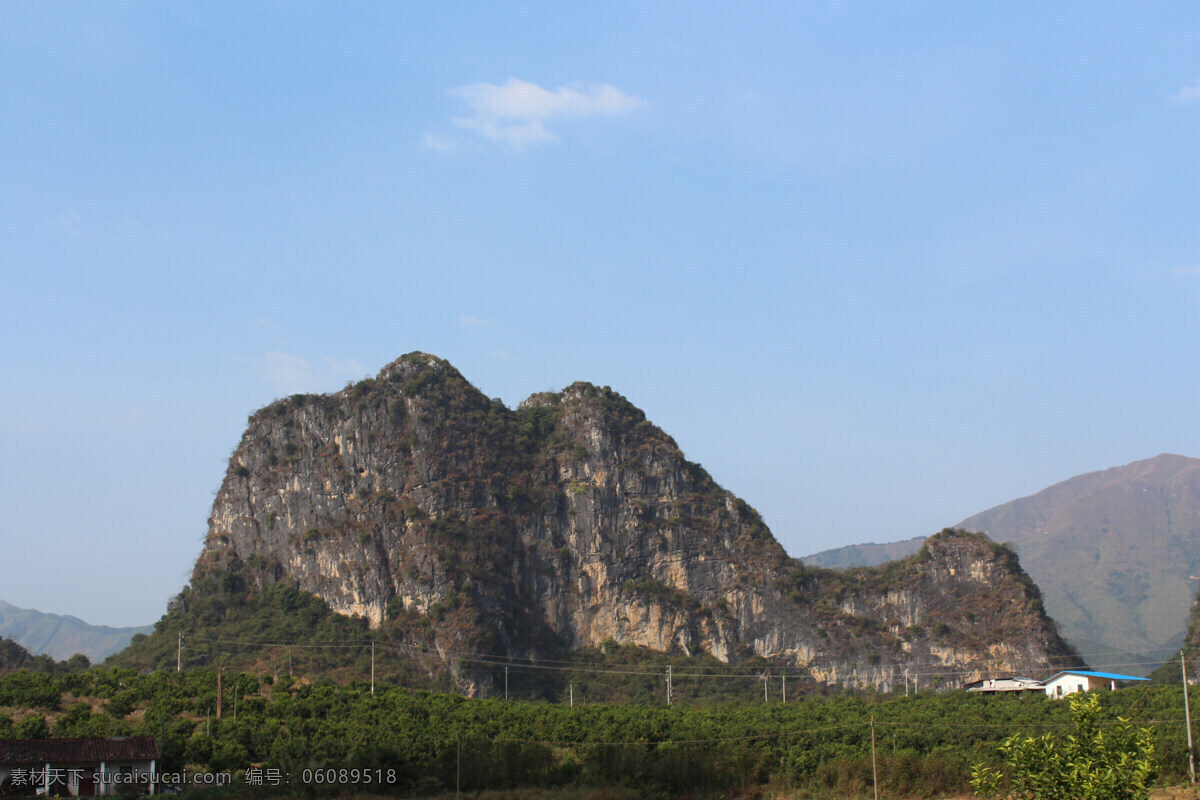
x: 280, y: 630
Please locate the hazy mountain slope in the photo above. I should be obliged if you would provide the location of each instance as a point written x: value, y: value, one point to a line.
x: 461, y: 528
x: 1115, y: 553
x: 1170, y: 671
x: 864, y: 555
x: 61, y: 637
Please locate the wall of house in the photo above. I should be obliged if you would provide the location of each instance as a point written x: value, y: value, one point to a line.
x: 1069, y: 684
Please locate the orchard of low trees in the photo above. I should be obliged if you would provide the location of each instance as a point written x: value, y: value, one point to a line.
x: 426, y: 742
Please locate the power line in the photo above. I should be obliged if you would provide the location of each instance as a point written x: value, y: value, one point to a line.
x: 366, y: 643
x: 880, y: 675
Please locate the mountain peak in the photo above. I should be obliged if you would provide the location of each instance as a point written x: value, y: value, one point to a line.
x: 453, y: 523
x: 409, y: 362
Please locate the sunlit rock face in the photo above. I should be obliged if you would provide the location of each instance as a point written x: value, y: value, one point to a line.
x: 412, y: 498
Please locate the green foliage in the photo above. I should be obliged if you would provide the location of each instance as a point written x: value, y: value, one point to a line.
x: 31, y: 689
x: 1097, y: 762
x: 705, y: 742
x: 13, y: 656
x: 33, y: 726
x: 217, y: 615
x: 80, y: 720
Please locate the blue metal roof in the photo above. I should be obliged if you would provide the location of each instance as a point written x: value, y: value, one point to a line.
x: 1112, y: 676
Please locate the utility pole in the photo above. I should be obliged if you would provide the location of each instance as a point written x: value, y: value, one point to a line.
x: 765, y: 688
x: 784, y: 682
x: 668, y: 684
x: 220, y: 671
x: 874, y: 767
x: 372, y: 669
x: 179, y: 654
x: 506, y: 683
x: 1187, y: 716
x: 572, y: 695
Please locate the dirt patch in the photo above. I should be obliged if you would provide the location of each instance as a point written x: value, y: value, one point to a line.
x: 1176, y: 793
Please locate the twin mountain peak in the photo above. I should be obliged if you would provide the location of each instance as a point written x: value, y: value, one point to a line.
x: 459, y: 525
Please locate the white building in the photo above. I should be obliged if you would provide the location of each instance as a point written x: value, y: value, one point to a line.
x: 1003, y: 685
x: 1078, y: 680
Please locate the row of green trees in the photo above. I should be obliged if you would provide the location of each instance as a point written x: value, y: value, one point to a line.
x: 422, y: 741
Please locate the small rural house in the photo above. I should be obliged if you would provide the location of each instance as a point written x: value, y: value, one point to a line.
x: 1004, y: 685
x: 1071, y: 681
x: 121, y: 765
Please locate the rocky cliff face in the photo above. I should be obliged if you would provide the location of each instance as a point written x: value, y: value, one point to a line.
x: 1116, y: 554
x: 413, y: 500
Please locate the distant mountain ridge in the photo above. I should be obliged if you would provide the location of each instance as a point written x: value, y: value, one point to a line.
x: 870, y: 554
x: 1113, y: 551
x: 61, y: 637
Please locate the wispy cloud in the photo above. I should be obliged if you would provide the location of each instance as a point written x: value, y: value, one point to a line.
x: 290, y: 374
x: 70, y: 223
x: 474, y: 322
x: 1192, y: 271
x: 517, y: 113
x: 438, y: 144
x: 502, y: 355
x: 347, y: 368
x: 1188, y: 94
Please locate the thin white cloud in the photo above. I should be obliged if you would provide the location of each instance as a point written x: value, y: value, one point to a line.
x: 1192, y: 271
x: 348, y: 368
x: 438, y: 144
x: 474, y: 322
x: 70, y: 222
x: 517, y: 112
x: 289, y: 374
x: 1188, y: 94
x: 502, y: 355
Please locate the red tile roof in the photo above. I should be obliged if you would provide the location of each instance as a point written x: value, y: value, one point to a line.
x: 74, y: 751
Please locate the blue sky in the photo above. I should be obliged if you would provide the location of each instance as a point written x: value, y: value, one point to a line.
x: 878, y: 267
